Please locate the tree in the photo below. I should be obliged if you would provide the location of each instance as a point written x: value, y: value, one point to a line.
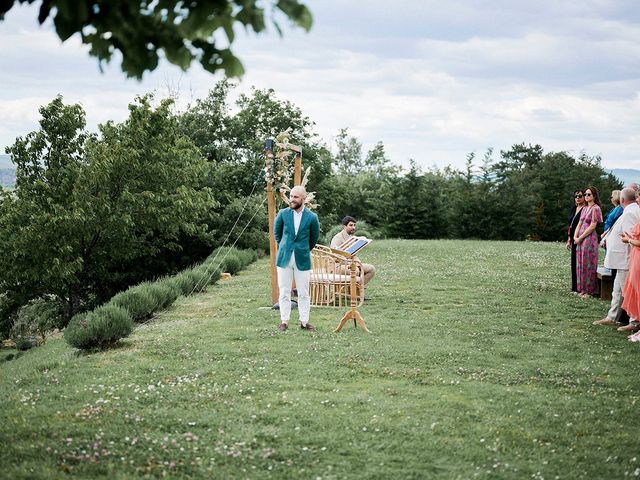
x: 418, y: 209
x: 469, y: 199
x: 32, y: 222
x: 143, y: 30
x: 558, y: 176
x: 348, y: 158
x: 460, y: 208
x: 535, y: 190
x: 92, y: 214
x: 234, y: 145
x: 362, y: 186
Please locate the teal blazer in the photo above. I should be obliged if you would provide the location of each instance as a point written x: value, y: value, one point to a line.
x: 288, y: 241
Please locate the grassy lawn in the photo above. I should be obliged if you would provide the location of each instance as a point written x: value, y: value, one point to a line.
x: 480, y: 364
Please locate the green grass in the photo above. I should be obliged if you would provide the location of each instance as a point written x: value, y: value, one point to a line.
x: 480, y: 364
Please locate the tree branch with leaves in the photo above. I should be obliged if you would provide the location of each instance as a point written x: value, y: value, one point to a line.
x: 142, y: 31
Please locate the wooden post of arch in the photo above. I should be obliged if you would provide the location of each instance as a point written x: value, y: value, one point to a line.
x: 297, y: 180
x: 271, y: 209
x: 297, y: 166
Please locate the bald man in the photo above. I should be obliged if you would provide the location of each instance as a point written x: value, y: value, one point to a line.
x: 618, y: 256
x: 296, y: 230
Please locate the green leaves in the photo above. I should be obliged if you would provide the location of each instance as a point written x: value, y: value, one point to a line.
x: 296, y: 12
x: 142, y: 31
x: 180, y: 56
x: 231, y: 64
x: 91, y: 214
x: 70, y: 18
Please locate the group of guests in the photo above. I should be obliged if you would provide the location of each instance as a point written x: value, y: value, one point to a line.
x: 621, y: 243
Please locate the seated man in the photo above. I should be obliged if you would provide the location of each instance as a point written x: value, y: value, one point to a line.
x: 348, y: 229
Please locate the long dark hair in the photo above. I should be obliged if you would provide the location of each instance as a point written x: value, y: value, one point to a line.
x: 574, y: 207
x: 594, y: 192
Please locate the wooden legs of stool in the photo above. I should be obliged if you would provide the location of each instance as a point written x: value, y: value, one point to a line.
x: 356, y: 318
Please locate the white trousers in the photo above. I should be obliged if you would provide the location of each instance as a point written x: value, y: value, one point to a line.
x: 616, y: 293
x: 285, y: 278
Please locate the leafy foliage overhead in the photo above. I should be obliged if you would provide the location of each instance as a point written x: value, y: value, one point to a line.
x: 182, y: 31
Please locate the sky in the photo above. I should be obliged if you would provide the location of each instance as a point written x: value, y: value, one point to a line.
x: 432, y: 80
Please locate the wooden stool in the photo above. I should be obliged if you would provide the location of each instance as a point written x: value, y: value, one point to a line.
x: 606, y: 284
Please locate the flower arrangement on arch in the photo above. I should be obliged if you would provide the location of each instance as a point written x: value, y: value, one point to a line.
x: 279, y: 167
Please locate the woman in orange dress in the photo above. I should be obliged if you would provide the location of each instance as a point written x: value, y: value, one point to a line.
x: 631, y: 292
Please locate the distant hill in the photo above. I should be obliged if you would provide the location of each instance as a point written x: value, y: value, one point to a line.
x: 5, y: 161
x: 8, y: 177
x: 7, y: 172
x: 627, y: 175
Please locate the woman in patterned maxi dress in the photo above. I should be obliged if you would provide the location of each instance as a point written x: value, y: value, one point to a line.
x: 586, y: 240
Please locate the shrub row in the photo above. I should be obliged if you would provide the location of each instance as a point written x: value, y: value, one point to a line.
x: 114, y: 320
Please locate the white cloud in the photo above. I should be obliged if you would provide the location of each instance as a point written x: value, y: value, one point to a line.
x: 433, y: 81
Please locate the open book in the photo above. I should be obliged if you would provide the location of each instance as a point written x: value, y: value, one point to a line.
x: 354, y: 245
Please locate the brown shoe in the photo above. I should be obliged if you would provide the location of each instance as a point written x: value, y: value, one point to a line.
x: 632, y: 327
x: 283, y: 327
x: 308, y: 326
x: 606, y: 321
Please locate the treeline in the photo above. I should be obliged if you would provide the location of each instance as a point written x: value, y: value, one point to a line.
x: 525, y: 193
x: 93, y: 213
x: 521, y: 193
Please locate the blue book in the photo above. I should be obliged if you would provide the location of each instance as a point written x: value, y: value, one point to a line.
x: 357, y: 245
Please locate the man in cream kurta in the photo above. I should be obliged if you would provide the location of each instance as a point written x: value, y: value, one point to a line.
x: 617, y: 256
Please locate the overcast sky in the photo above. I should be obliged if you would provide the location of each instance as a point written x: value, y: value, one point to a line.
x: 432, y: 80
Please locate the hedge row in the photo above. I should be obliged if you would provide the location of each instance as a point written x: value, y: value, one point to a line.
x: 114, y: 320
